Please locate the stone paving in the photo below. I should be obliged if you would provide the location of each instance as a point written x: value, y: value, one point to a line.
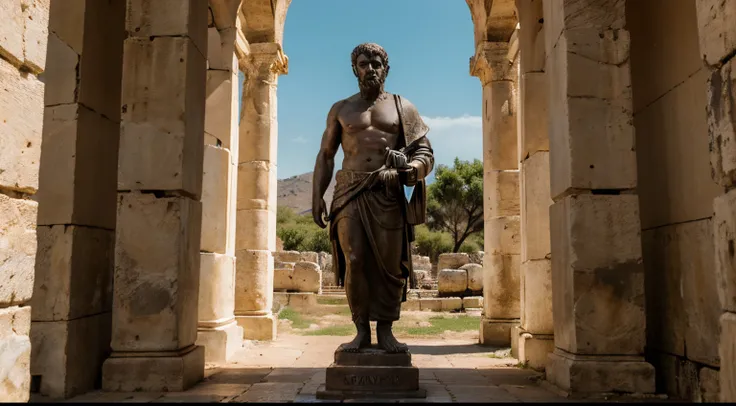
x: 292, y: 368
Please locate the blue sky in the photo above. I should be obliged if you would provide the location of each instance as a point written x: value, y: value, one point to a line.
x: 429, y: 43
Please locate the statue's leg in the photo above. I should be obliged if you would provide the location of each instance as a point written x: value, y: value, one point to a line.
x: 386, y: 339
x: 354, y: 245
x: 387, y: 297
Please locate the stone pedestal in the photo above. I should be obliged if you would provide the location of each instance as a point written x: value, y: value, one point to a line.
x: 497, y: 332
x: 221, y: 342
x: 258, y: 327
x: 533, y: 349
x: 371, y: 373
x: 151, y: 372
x: 599, y: 374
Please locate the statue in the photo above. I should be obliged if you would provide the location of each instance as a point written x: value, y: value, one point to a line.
x: 371, y: 219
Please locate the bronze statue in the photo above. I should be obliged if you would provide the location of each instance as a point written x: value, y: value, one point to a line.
x: 371, y: 220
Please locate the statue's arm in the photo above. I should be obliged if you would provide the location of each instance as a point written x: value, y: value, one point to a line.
x: 420, y: 153
x: 422, y: 159
x: 325, y: 164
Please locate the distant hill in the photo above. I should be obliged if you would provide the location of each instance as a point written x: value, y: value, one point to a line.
x: 296, y: 193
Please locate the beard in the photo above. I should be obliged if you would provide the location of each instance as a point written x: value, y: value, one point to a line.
x: 373, y: 84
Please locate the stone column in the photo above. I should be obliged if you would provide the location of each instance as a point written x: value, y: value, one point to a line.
x: 597, y: 270
x: 534, y: 336
x: 159, y: 217
x: 501, y: 192
x: 23, y: 36
x: 718, y: 45
x: 256, y: 208
x: 217, y: 330
x: 72, y: 301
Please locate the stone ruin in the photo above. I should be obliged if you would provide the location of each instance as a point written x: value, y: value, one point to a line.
x: 460, y: 275
x: 295, y: 271
x: 591, y: 183
x: 309, y: 272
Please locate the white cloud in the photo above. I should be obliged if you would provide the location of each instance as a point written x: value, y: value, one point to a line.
x: 300, y: 140
x: 452, y: 137
x: 464, y: 122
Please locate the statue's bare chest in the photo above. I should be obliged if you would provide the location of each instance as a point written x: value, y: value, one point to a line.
x: 358, y: 116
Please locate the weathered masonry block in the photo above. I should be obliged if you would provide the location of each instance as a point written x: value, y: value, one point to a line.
x: 594, y: 221
x: 718, y: 46
x: 23, y: 39
x: 72, y: 303
x: 159, y: 217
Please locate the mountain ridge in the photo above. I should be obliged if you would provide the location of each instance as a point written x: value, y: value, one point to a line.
x: 295, y: 193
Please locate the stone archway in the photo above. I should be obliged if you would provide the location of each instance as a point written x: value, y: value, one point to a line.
x: 122, y: 168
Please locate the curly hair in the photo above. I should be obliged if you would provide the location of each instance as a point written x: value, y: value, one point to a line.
x: 369, y: 49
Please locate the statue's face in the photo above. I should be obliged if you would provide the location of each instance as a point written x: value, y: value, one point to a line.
x: 371, y: 71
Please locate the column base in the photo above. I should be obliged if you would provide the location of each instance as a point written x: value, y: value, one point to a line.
x: 597, y: 374
x: 261, y: 328
x: 534, y: 349
x: 156, y: 373
x: 496, y: 332
x: 220, y: 343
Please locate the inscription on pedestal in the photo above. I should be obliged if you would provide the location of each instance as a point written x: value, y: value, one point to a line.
x: 372, y: 378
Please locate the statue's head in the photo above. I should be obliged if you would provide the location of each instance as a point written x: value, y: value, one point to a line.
x: 370, y: 65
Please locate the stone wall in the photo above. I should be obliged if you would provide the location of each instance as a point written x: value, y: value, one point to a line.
x: 676, y: 197
x: 23, y: 38
x: 72, y: 298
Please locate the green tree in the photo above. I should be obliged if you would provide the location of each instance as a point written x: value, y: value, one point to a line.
x: 455, y: 201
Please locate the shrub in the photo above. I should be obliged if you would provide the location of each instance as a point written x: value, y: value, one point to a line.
x: 299, y: 233
x: 432, y: 243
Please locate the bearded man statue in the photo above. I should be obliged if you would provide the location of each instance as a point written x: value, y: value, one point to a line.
x: 372, y: 219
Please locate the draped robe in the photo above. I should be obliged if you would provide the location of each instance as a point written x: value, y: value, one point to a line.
x: 377, y: 284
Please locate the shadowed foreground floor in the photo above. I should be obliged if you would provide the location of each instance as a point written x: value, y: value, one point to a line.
x: 292, y: 368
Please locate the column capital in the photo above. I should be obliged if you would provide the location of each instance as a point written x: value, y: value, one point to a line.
x: 270, y: 56
x: 490, y: 62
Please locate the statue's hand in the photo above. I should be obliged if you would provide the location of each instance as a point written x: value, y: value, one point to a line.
x: 396, y: 159
x: 319, y: 212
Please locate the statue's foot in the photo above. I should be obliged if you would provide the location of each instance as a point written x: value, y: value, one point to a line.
x: 388, y: 342
x: 361, y: 340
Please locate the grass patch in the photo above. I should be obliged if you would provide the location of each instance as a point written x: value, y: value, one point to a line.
x: 342, y: 330
x: 341, y: 311
x: 331, y: 301
x: 297, y: 320
x: 441, y: 324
